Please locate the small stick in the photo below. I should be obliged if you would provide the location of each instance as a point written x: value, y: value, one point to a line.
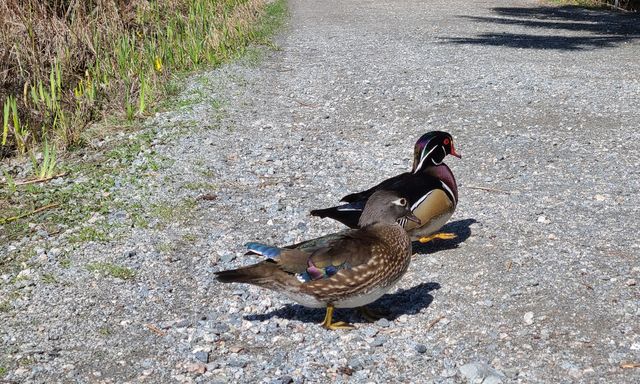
x: 305, y: 104
x: 587, y: 285
x: 156, y: 330
x: 33, y: 181
x: 488, y: 189
x: 509, y: 264
x: 629, y: 365
x: 14, y: 218
x: 434, y: 322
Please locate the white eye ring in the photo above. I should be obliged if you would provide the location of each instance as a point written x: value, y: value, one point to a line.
x: 401, y: 202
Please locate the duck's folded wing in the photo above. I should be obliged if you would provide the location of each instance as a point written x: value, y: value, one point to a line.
x: 322, y: 257
x: 345, y: 251
x: 353, y: 248
x: 389, y: 184
x: 312, y: 245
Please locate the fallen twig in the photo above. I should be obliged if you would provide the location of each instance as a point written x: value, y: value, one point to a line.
x: 14, y: 218
x: 488, y: 189
x: 587, y: 285
x: 629, y: 365
x: 156, y: 330
x: 207, y: 196
x: 434, y: 322
x: 305, y: 104
x: 33, y: 181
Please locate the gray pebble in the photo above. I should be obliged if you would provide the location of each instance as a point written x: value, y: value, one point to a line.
x: 480, y: 371
x: 379, y: 341
x: 383, y: 323
x: 202, y: 356
x: 421, y: 348
x: 237, y: 362
x: 227, y: 257
x: 370, y: 332
x: 283, y: 380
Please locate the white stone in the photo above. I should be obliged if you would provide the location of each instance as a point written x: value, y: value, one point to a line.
x: 528, y: 318
x: 543, y: 219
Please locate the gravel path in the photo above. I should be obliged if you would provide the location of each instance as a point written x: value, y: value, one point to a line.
x: 541, y: 285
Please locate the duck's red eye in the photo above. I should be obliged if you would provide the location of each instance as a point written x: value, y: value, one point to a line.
x: 446, y: 141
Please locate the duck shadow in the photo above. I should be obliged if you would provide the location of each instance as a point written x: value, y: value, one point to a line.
x: 404, y: 302
x: 462, y: 230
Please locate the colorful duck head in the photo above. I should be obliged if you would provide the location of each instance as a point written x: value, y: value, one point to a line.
x: 431, y: 149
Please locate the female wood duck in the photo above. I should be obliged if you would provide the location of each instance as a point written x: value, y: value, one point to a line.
x: 430, y: 188
x: 349, y: 270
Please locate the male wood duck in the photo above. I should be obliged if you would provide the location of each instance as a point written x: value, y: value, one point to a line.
x: 430, y: 189
x: 348, y: 270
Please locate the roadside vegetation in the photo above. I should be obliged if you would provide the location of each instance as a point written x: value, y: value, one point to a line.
x: 65, y: 64
x: 622, y: 5
x: 74, y: 72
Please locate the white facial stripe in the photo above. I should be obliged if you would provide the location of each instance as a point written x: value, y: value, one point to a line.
x: 445, y: 186
x: 445, y: 155
x: 423, y: 156
x: 420, y: 200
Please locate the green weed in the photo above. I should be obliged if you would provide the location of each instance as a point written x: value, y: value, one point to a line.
x: 112, y: 270
x: 12, y: 124
x: 89, y: 233
x: 5, y: 306
x: 49, y: 278
x: 172, y: 211
x: 189, y: 237
x: 46, y: 168
x: 165, y: 247
x: 65, y: 263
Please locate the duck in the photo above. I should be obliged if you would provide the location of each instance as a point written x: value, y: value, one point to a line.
x: 350, y: 269
x: 430, y: 188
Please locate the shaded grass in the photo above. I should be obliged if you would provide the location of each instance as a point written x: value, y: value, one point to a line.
x: 629, y: 5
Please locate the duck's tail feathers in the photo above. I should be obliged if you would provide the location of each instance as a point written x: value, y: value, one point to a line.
x: 257, y: 274
x: 347, y: 214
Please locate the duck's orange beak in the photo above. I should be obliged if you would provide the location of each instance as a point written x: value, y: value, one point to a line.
x: 454, y: 153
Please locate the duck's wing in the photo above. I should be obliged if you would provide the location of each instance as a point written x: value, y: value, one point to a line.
x: 388, y: 184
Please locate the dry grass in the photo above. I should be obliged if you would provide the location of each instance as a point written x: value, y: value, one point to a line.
x: 622, y: 5
x: 67, y: 63
x: 629, y: 5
